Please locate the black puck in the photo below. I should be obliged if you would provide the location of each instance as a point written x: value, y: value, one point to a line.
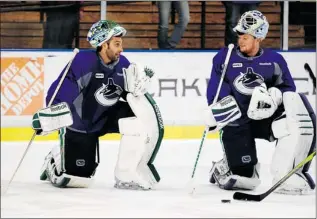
x: 225, y: 200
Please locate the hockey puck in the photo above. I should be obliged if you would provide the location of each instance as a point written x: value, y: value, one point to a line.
x: 225, y: 200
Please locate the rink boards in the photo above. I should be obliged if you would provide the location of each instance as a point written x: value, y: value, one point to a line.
x: 170, y: 132
x: 178, y: 87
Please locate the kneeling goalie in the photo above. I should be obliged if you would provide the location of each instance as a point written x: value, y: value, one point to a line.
x: 257, y: 100
x: 87, y: 106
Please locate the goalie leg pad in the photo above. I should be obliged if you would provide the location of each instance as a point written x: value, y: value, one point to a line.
x: 223, y: 177
x: 73, y: 162
x: 295, y: 132
x: 140, y: 141
x: 132, y: 148
x: 313, y: 119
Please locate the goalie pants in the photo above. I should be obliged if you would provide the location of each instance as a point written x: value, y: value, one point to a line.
x: 81, y: 151
x: 239, y: 141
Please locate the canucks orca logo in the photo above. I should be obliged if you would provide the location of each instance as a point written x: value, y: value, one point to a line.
x: 108, y: 94
x: 246, y: 82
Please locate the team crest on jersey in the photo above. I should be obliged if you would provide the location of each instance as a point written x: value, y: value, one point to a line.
x: 246, y: 82
x: 108, y: 94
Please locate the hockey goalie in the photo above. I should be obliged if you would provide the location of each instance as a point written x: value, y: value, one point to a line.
x: 258, y: 100
x: 89, y: 104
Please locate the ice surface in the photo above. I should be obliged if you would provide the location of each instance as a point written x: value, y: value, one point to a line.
x: 29, y: 197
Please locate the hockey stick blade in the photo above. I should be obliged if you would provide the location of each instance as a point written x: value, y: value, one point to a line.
x: 311, y: 74
x: 248, y: 197
x: 260, y: 197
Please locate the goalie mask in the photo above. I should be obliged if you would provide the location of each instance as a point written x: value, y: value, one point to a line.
x: 253, y: 23
x: 102, y: 31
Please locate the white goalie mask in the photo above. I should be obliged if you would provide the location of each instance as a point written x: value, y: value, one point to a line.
x: 253, y: 23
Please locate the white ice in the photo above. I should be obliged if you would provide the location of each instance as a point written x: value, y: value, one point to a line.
x: 29, y: 197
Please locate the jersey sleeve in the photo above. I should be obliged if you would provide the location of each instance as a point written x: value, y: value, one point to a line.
x: 69, y: 89
x: 215, y: 76
x: 124, y: 61
x: 67, y: 92
x: 282, y: 76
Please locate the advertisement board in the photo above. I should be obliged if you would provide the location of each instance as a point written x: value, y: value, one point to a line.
x: 22, y: 85
x: 179, y: 85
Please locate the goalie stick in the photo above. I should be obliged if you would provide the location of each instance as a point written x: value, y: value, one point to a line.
x: 191, y: 183
x: 75, y: 51
x: 260, y: 197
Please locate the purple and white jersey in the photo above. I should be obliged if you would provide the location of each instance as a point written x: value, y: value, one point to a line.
x: 244, y: 73
x: 90, y: 88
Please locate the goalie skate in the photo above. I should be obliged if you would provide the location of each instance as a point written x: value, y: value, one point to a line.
x: 129, y: 185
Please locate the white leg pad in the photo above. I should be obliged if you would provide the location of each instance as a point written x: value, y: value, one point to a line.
x: 140, y: 135
x: 295, y: 135
x: 224, y: 178
x: 132, y: 148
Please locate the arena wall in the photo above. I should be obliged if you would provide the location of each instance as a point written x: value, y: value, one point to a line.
x: 179, y: 87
